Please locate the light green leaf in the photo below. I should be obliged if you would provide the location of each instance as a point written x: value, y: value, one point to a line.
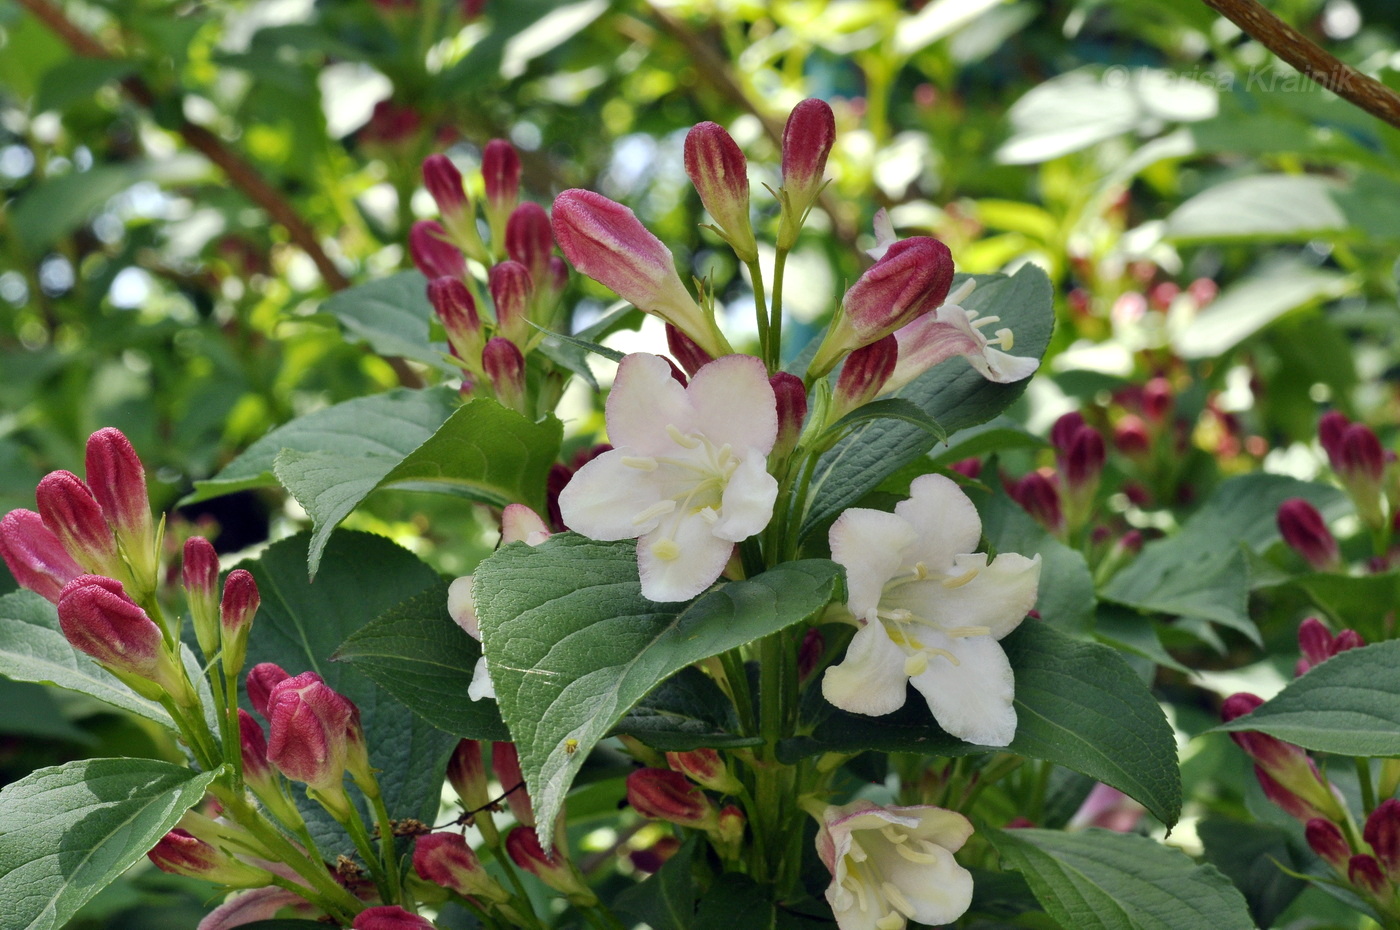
x: 33, y: 648
x: 1248, y: 306
x: 1259, y: 207
x: 67, y: 832
x: 573, y: 644
x: 78, y: 80
x: 392, y: 316
x: 1101, y: 880
x: 1349, y: 705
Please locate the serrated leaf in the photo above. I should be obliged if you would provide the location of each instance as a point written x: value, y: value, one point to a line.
x: 421, y: 656
x: 299, y: 626
x: 573, y: 644
x: 1349, y: 705
x: 391, y: 425
x: 391, y: 316
x: 1078, y: 704
x: 33, y: 648
x: 890, y: 408
x: 686, y: 711
x: 953, y: 394
x: 67, y: 832
x: 1101, y: 880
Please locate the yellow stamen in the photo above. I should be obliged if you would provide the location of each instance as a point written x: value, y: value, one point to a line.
x: 681, y: 439
x: 639, y: 462
x: 957, y: 581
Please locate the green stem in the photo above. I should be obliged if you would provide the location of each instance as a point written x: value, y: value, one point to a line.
x: 386, y: 845
x: 233, y: 735
x: 197, y: 734
x: 775, y: 326
x: 738, y: 676
x: 760, y: 307
x: 1368, y: 790
x: 356, y: 828
x: 521, y: 893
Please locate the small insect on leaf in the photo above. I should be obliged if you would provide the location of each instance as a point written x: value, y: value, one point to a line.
x: 570, y: 746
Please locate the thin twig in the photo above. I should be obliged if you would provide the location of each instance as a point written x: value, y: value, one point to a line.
x: 1311, y: 59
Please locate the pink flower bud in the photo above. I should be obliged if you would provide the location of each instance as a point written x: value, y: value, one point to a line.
x: 181, y: 853
x: 1347, y: 639
x: 1039, y: 497
x: 253, y: 745
x: 790, y: 394
x: 809, y: 653
x: 1294, y: 805
x: 1157, y: 399
x: 466, y: 772
x: 118, y: 481
x: 690, y: 356
x: 864, y: 374
x: 1314, y: 642
x: 200, y: 573
x: 1203, y: 291
x: 1327, y: 841
x: 1361, y: 456
x: 528, y: 240
x: 1065, y: 429
x: 665, y: 795
x: 260, y: 681
x: 444, y: 182
x: 607, y: 242
x: 652, y: 858
x: 1084, y: 460
x: 433, y: 254
x: 1331, y: 426
x: 99, y: 619
x: 510, y: 291
x: 807, y: 140
x: 309, y: 724
x: 72, y: 513
x: 704, y: 767
x: 445, y: 859
x: 34, y: 555
x: 389, y: 917
x: 717, y: 168
x: 505, y: 763
x: 240, y: 602
x: 558, y: 276
x: 968, y: 468
x: 457, y: 311
x: 523, y: 847
x: 1365, y: 874
x: 1131, y: 437
x: 1288, y: 776
x: 1161, y: 295
x: 1304, y: 530
x: 911, y: 279
x: 500, y: 169
x: 1382, y: 832
x: 505, y: 366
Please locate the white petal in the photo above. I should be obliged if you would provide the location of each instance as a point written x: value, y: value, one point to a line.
x: 519, y: 522
x: 940, y: 892
x: 481, y: 686
x: 996, y: 365
x: 700, y: 559
x: 461, y: 606
x: 884, y: 234
x: 998, y: 597
x: 748, y: 499
x: 870, y: 679
x: 643, y: 401
x: 870, y: 545
x: 971, y: 700
x: 944, y: 519
x: 847, y: 912
x: 925, y: 342
x: 604, y: 495
x: 732, y: 402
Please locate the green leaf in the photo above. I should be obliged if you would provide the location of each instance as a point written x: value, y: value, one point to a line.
x: 573, y: 644
x: 1066, y: 593
x: 392, y: 316
x: 299, y: 626
x: 1361, y: 602
x: 1349, y: 705
x: 421, y: 656
x: 68, y: 831
x: 390, y: 425
x: 666, y: 900
x: 1078, y: 704
x: 996, y: 435
x: 737, y: 902
x: 953, y: 394
x: 1250, y: 855
x: 686, y: 711
x: 1100, y: 880
x: 890, y: 408
x: 1293, y: 207
x: 1202, y: 571
x: 28, y: 709
x: 484, y: 452
x: 33, y: 648
x: 78, y: 80
x: 1248, y: 306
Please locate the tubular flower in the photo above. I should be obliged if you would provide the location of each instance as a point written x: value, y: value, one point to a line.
x: 687, y: 476
x: 930, y: 612
x: 890, y: 865
x: 952, y: 330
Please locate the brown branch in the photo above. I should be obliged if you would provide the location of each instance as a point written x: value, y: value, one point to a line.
x: 238, y: 170
x: 1311, y: 59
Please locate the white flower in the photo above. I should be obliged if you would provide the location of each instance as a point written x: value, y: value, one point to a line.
x: 687, y: 476
x: 953, y: 330
x: 518, y: 523
x: 931, y: 612
x: 890, y: 865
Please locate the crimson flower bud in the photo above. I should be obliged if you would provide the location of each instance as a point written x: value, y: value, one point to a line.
x: 968, y: 468
x: 1382, y: 832
x: 652, y: 858
x: 500, y: 169
x: 181, y: 853
x: 1157, y: 399
x: 704, y: 767
x: 433, y: 254
x: 260, y: 681
x: 505, y: 366
x: 389, y: 917
x: 1039, y: 497
x: 1330, y: 429
x: 1327, y: 841
x: 790, y: 395
x: 558, y: 276
x: 73, y: 515
x: 200, y: 573
x: 529, y: 241
x: 1131, y: 437
x: 911, y: 279
x: 466, y: 772
x: 1295, y: 806
x: 510, y: 291
x: 118, y: 482
x: 808, y: 136
x: 1361, y: 455
x: 1285, y: 772
x: 1084, y: 460
x: 665, y: 795
x: 1347, y: 639
x: 457, y: 311
x: 1066, y: 427
x: 717, y: 168
x: 607, y: 242
x: 444, y: 182
x: 445, y: 859
x: 1365, y: 874
x: 809, y: 653
x: 34, y: 555
x: 236, y: 611
x: 1304, y: 530
x: 864, y: 374
x: 253, y: 745
x: 309, y: 723
x: 505, y: 763
x: 99, y: 619
x: 690, y: 356
x: 556, y: 871
x: 1314, y: 642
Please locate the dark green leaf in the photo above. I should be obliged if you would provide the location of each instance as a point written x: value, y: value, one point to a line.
x: 78, y: 80
x: 666, y: 900
x: 890, y: 408
x: 68, y: 831
x: 573, y: 644
x: 1066, y: 594
x: 686, y: 711
x: 735, y: 902
x: 28, y: 709
x: 1361, y: 602
x: 1250, y: 855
